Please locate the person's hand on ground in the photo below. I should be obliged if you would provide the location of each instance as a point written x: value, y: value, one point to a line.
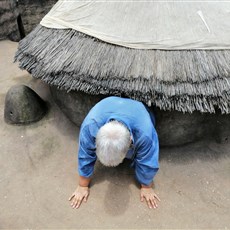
x: 150, y: 196
x: 79, y: 195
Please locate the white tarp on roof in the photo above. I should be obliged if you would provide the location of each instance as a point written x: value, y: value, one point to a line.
x: 146, y: 24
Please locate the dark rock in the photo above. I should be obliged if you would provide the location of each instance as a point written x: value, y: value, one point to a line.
x: 176, y: 128
x: 23, y: 106
x: 75, y: 105
x: 173, y: 128
x: 219, y: 126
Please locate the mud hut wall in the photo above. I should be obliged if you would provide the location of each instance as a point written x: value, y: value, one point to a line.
x: 8, y: 20
x: 19, y: 17
x: 32, y: 11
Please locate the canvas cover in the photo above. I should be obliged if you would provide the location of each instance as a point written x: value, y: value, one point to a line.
x: 170, y: 25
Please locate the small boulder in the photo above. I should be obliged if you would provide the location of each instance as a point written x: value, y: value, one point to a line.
x: 75, y: 104
x: 23, y: 106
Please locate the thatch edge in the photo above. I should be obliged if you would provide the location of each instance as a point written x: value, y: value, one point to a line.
x: 160, y: 93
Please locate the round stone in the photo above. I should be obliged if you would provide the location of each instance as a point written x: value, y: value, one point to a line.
x: 23, y: 106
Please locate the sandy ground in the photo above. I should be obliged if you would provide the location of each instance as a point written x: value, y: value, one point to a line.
x: 38, y: 165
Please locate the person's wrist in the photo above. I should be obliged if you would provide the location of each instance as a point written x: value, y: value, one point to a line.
x: 146, y: 186
x: 83, y: 187
x: 84, y: 181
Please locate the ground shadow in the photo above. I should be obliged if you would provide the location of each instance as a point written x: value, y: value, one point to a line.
x: 118, y: 193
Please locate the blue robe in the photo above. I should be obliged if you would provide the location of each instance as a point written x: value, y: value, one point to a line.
x: 135, y: 116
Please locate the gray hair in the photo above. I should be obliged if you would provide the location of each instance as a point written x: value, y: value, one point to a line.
x: 112, y: 143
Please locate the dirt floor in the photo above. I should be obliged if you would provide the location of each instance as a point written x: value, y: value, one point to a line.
x: 38, y: 165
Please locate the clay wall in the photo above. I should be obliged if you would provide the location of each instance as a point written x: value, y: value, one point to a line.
x: 8, y: 20
x: 19, y: 17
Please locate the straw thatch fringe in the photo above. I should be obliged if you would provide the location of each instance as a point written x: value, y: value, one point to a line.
x: 172, y: 80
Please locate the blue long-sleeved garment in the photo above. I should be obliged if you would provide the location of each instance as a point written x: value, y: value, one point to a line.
x: 136, y: 118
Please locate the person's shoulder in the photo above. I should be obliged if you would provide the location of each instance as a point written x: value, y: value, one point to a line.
x: 143, y: 142
x: 119, y: 99
x: 146, y: 134
x: 91, y: 127
x: 109, y: 98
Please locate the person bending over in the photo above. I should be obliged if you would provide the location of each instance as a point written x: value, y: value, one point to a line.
x: 114, y: 129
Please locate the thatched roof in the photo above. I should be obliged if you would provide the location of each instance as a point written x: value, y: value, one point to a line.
x: 183, y: 80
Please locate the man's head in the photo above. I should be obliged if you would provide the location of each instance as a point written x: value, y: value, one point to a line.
x: 112, y: 143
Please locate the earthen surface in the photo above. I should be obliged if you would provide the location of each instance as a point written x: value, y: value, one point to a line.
x: 39, y: 165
